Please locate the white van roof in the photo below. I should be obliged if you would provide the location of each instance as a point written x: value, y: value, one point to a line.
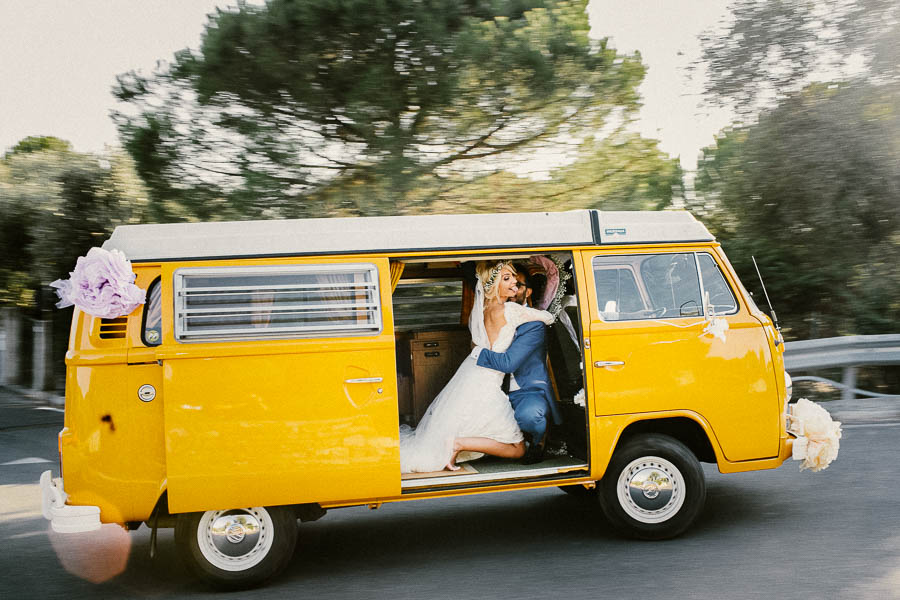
x: 296, y: 237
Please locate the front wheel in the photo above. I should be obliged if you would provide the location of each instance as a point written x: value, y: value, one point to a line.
x: 238, y: 548
x: 653, y: 488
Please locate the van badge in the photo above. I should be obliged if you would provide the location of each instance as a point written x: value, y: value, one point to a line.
x: 235, y: 533
x: 146, y: 392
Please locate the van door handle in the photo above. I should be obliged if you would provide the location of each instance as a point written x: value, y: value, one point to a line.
x: 365, y: 380
x: 609, y: 363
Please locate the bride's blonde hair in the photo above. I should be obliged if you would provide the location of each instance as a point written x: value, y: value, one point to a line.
x: 489, y: 273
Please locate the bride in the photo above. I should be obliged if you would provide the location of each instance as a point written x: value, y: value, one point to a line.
x: 472, y: 416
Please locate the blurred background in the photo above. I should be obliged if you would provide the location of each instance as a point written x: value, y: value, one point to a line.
x: 776, y: 123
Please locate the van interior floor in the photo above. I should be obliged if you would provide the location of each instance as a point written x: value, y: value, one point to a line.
x: 492, y: 468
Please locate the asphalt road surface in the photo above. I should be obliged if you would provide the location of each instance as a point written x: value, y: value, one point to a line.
x: 769, y: 534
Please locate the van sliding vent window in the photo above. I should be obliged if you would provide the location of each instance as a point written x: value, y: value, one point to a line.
x: 113, y: 328
x: 721, y: 298
x: 237, y: 303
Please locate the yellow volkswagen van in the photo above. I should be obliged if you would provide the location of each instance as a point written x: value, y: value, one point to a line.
x: 267, y: 376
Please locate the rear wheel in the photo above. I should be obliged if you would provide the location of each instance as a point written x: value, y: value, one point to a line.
x: 653, y: 489
x: 237, y: 548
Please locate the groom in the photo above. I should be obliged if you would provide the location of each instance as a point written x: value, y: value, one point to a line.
x: 526, y: 359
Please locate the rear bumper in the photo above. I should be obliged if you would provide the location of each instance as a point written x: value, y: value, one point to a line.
x: 63, y: 517
x: 785, y: 449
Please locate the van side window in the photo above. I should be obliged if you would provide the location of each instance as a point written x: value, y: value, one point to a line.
x: 721, y: 299
x: 423, y: 303
x: 151, y: 332
x: 647, y: 286
x: 617, y: 285
x: 269, y: 302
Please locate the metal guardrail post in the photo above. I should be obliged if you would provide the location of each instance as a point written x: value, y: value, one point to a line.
x: 849, y: 383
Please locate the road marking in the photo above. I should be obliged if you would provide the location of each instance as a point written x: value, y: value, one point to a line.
x: 855, y: 425
x: 25, y: 461
x: 62, y: 410
x: 19, y: 536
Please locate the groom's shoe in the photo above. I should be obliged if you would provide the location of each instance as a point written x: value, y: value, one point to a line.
x: 533, y: 455
x: 535, y: 452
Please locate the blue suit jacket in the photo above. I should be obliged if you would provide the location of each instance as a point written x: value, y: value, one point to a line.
x: 526, y: 359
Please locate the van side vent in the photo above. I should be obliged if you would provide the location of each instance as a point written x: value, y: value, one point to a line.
x: 276, y: 302
x: 113, y: 328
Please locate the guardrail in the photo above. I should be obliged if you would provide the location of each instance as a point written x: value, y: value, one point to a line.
x: 847, y: 352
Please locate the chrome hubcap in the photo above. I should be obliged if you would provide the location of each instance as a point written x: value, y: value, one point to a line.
x: 651, y: 489
x: 235, y: 540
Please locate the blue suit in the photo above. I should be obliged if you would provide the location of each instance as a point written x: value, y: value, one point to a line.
x: 526, y: 359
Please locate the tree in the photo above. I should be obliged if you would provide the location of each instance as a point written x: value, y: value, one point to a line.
x: 811, y: 190
x: 367, y: 107
x: 55, y: 204
x: 773, y: 48
x: 619, y: 172
x: 38, y: 143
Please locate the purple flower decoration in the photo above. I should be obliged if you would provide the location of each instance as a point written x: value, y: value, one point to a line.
x: 101, y: 285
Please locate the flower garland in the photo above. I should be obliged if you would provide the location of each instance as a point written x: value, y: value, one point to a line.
x: 493, y: 275
x: 818, y: 435
x: 102, y: 285
x: 556, y: 304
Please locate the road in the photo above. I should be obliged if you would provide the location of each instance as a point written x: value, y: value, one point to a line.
x: 780, y: 533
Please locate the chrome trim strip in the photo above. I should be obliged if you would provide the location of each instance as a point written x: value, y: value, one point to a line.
x: 481, y: 477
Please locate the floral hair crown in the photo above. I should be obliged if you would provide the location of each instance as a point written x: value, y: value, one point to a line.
x: 492, y: 277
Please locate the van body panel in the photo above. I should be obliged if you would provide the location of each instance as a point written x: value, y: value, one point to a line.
x: 669, y: 363
x: 112, y: 448
x: 270, y: 422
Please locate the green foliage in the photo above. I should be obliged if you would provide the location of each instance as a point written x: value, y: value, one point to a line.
x: 344, y: 107
x: 55, y: 204
x: 38, y: 143
x: 811, y: 190
x: 773, y: 48
x: 619, y: 172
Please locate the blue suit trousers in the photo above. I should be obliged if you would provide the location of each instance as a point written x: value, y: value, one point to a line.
x: 531, y: 412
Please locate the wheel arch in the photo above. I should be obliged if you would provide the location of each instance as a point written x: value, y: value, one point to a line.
x: 162, y: 518
x: 687, y: 427
x: 686, y: 430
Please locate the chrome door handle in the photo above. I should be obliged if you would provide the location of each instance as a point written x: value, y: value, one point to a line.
x: 365, y: 380
x: 609, y: 363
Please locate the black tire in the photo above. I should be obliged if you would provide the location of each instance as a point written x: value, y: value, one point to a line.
x: 653, y: 488
x: 239, y: 548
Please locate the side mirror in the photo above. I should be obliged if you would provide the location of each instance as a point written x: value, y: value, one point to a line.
x: 609, y: 312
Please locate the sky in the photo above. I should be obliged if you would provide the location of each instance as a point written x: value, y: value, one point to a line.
x: 59, y: 60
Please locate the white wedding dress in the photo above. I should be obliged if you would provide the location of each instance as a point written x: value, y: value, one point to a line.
x: 471, y: 404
